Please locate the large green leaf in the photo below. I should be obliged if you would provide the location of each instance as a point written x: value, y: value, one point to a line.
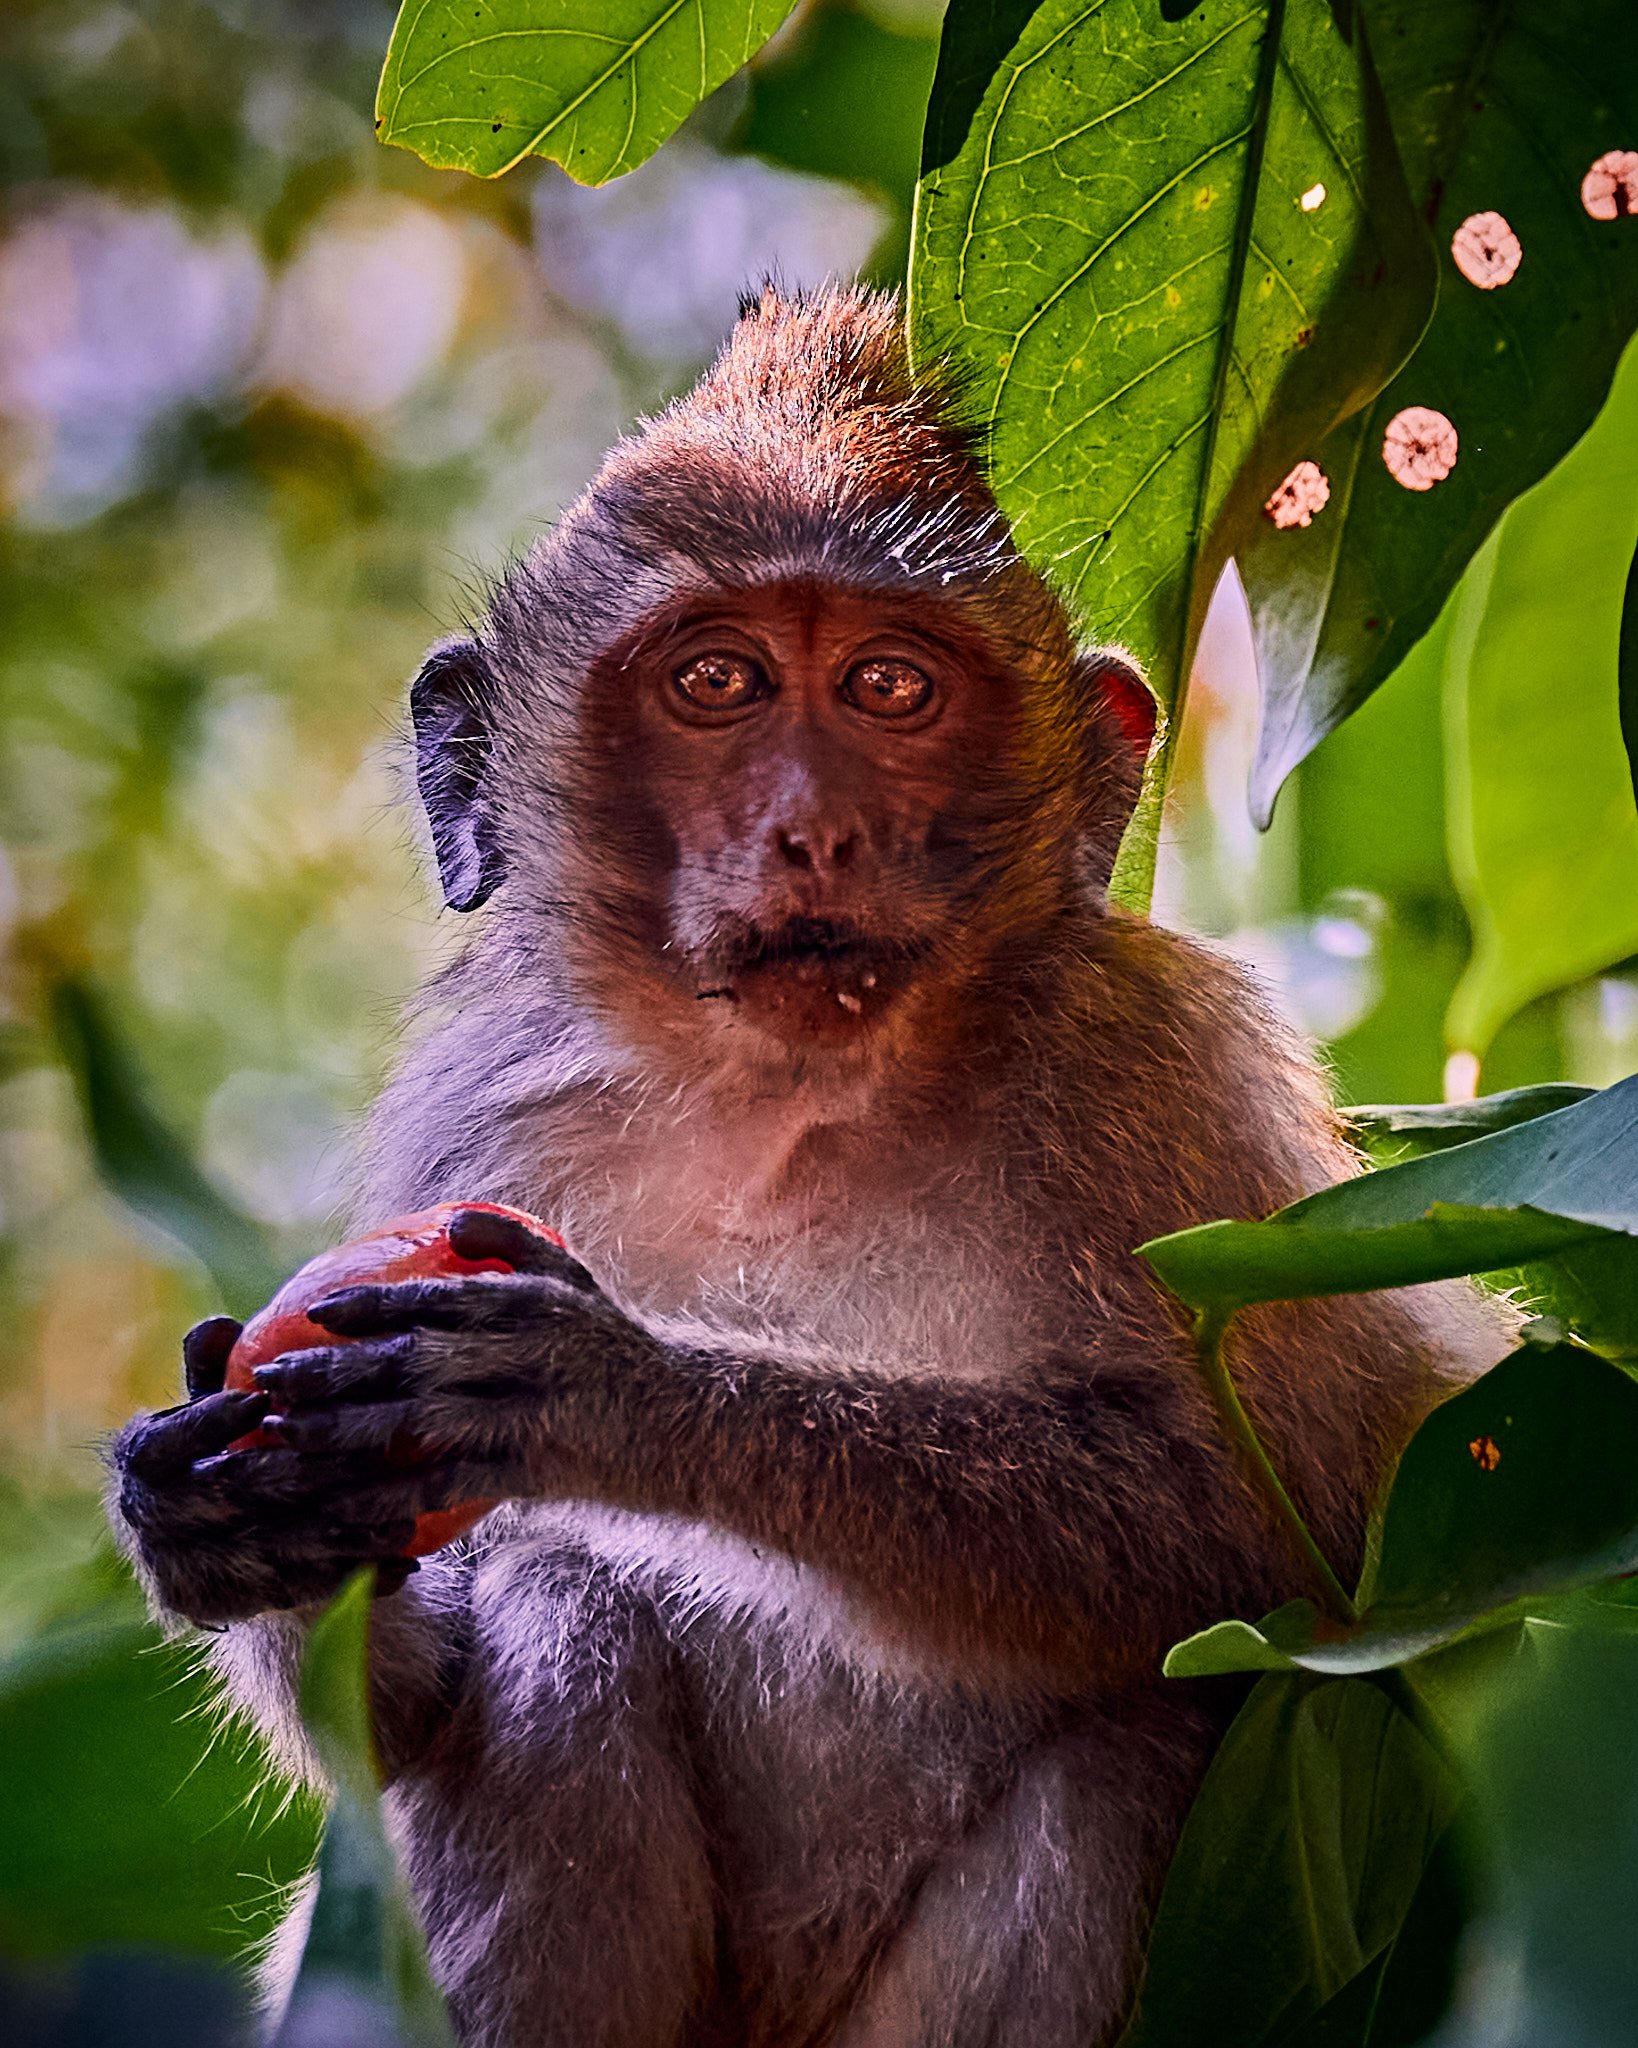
x: 1297, y: 1865
x: 1526, y: 1193
x: 1548, y: 1737
x: 128, y: 1815
x: 1399, y: 1998
x: 363, y: 1969
x: 1113, y: 248
x: 1524, y: 1485
x: 1409, y: 1129
x: 596, y: 85
x: 1544, y: 830
x: 1497, y: 109
x: 145, y: 1163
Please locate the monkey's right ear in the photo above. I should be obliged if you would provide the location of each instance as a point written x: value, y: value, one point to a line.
x: 449, y: 703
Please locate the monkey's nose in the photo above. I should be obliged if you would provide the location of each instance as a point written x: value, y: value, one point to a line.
x: 814, y: 849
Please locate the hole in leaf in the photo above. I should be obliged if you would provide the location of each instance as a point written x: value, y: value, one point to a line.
x: 1486, y: 251
x: 1312, y: 198
x: 1485, y: 1453
x: 1609, y: 191
x: 1305, y: 491
x: 1419, y: 447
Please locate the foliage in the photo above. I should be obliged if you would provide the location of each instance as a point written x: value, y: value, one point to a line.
x: 1119, y: 249
x: 1172, y: 332
x: 596, y: 85
x: 363, y: 1966
x: 1546, y: 834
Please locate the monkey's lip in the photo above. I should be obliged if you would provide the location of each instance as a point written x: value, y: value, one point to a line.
x: 833, y: 962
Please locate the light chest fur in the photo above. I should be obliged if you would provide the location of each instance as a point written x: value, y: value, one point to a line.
x: 775, y: 1222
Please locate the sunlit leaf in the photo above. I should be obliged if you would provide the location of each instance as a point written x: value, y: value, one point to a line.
x: 1544, y: 830
x: 1497, y: 111
x: 1524, y: 1485
x: 363, y: 1968
x: 1297, y: 1866
x: 596, y: 85
x: 1520, y: 1194
x: 1166, y: 257
x: 1628, y: 667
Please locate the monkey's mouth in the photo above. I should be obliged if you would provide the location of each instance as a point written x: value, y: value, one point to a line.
x: 812, y: 973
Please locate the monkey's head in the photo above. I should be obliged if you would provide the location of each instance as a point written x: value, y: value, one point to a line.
x: 776, y: 741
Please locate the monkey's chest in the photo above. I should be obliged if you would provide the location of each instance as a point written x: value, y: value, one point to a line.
x: 913, y: 1294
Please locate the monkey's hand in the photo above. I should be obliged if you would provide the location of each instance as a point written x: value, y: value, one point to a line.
x: 219, y: 1534
x: 471, y: 1372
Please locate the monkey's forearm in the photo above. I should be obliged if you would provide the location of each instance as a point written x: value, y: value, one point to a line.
x: 1079, y: 1523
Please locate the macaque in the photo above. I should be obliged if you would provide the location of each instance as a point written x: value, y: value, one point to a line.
x: 857, y: 1476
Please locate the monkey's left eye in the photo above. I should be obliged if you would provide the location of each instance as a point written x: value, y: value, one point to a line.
x: 887, y: 689
x: 720, y: 682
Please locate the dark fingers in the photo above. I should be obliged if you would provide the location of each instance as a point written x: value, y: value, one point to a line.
x: 365, y: 1370
x: 205, y: 1354
x: 178, y: 1437
x: 476, y: 1234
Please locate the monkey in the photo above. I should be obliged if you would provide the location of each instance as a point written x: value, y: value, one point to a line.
x: 856, y: 1474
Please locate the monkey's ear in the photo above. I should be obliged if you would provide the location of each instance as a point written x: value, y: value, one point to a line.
x: 1117, y: 716
x: 449, y: 703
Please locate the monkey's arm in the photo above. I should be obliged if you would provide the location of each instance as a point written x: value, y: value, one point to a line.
x: 1075, y: 1519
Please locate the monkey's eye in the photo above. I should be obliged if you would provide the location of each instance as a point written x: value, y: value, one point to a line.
x: 887, y: 689
x: 720, y: 682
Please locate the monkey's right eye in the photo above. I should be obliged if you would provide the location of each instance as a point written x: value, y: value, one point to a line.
x: 720, y: 682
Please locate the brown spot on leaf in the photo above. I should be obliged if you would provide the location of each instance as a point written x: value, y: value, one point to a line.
x: 1609, y: 191
x: 1419, y: 447
x: 1486, y: 251
x: 1485, y: 1453
x: 1305, y: 491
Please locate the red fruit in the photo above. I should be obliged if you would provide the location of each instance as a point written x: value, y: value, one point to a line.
x: 408, y: 1248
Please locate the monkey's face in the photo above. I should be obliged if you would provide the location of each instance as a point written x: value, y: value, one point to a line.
x: 820, y: 791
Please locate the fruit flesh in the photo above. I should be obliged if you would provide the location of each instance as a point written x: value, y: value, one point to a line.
x: 408, y: 1248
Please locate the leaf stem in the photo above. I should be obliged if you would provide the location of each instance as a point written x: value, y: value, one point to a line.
x: 1209, y: 1327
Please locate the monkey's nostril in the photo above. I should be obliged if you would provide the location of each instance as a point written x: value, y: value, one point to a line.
x: 794, y: 850
x: 842, y: 852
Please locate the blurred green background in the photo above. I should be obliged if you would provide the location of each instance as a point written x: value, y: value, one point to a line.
x: 274, y: 403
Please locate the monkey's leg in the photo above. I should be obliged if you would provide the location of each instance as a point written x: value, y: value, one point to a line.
x: 1028, y: 1932
x: 553, y: 1842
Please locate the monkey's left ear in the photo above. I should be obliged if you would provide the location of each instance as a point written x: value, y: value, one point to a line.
x: 449, y: 702
x: 1117, y: 717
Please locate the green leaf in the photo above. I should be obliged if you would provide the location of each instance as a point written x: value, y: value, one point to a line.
x: 1415, y: 1128
x: 129, y: 1815
x: 1550, y: 1741
x: 1544, y: 829
x: 1526, y: 1193
x: 145, y: 1163
x: 596, y: 85
x: 1627, y: 665
x: 1496, y: 109
x: 364, y: 1967
x: 1399, y: 1999
x: 1297, y: 1865
x: 843, y: 96
x: 1523, y: 1486
x: 1112, y: 247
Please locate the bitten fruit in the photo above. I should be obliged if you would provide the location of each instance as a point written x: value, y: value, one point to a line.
x: 408, y: 1248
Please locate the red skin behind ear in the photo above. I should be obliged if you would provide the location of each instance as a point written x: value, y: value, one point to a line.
x: 408, y: 1248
